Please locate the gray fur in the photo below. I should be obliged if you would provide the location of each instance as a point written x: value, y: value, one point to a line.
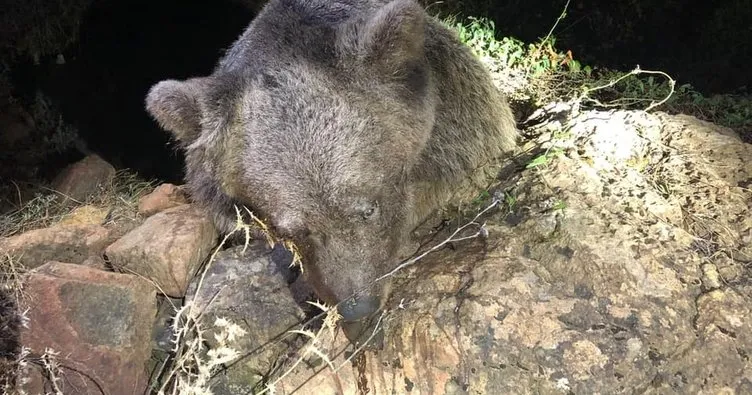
x: 343, y: 124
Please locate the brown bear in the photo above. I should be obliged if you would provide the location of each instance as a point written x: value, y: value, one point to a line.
x: 343, y: 125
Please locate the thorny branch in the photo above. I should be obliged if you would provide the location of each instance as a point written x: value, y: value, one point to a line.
x: 481, y: 231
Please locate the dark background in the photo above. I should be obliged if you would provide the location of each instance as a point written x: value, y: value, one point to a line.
x: 705, y: 43
x: 116, y: 49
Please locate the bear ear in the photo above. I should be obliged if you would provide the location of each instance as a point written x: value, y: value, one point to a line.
x: 176, y: 106
x: 393, y: 38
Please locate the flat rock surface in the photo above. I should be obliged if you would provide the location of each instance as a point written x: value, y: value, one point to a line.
x: 68, y: 242
x: 97, y: 323
x: 167, y: 248
x: 620, y: 266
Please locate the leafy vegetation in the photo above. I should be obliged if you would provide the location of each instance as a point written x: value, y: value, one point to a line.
x: 526, y: 72
x: 539, y: 73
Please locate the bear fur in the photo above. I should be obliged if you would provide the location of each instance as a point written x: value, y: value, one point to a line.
x: 343, y: 125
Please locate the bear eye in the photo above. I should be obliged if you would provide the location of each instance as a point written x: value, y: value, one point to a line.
x: 369, y: 211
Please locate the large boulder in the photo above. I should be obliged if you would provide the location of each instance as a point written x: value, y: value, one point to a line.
x: 620, y: 264
x: 95, y: 326
x: 67, y: 242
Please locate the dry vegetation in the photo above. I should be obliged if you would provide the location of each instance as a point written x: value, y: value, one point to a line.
x: 120, y: 197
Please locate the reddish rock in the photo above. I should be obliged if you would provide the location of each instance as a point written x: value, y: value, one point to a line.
x: 84, y: 178
x: 163, y: 197
x: 98, y: 323
x: 63, y: 242
x: 167, y: 248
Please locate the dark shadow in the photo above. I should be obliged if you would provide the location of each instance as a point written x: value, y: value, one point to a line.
x: 124, y: 48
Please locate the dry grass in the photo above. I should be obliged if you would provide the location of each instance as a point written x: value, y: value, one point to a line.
x: 120, y: 197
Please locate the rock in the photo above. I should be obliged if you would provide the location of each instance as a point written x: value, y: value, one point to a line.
x: 605, y: 282
x: 717, y: 361
x: 84, y: 178
x: 97, y: 323
x: 163, y: 335
x: 167, y: 248
x: 249, y: 289
x: 64, y: 242
x: 621, y: 265
x: 163, y: 197
x: 711, y: 277
x: 96, y: 262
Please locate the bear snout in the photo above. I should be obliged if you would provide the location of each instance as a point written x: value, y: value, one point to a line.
x: 359, y: 307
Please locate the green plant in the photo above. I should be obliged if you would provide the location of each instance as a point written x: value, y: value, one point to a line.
x: 534, y: 72
x: 730, y: 110
x: 616, y: 89
x: 631, y: 90
x: 57, y: 135
x: 484, y: 194
x: 545, y: 158
x: 510, y: 200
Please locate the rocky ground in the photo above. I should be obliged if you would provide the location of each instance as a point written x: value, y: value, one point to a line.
x: 617, y: 261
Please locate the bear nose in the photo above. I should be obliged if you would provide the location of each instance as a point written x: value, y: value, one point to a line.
x: 358, y: 308
x: 366, y: 334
